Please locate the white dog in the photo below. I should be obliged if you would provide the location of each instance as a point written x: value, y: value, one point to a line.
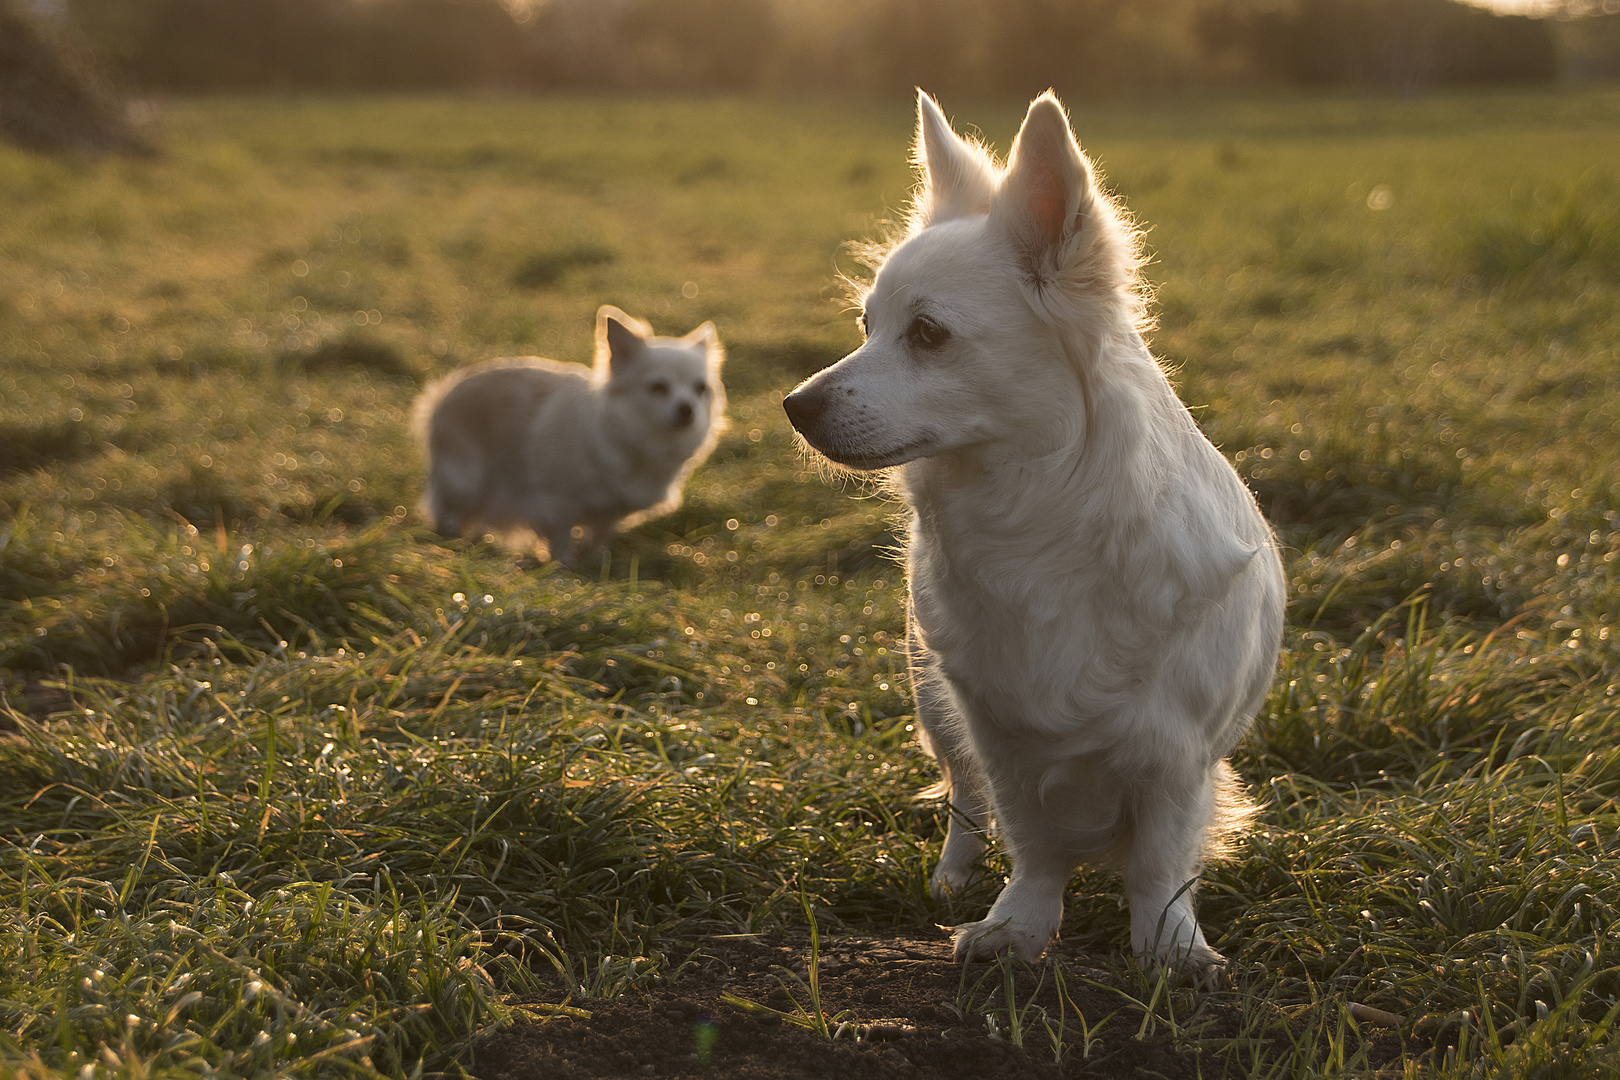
x: 1096, y: 602
x: 528, y: 443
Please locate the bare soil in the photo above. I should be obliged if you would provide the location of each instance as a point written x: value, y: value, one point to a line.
x: 896, y: 1007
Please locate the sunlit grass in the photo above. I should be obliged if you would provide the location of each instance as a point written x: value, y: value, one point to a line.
x: 270, y: 743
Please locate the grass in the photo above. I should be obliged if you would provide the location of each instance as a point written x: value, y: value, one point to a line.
x: 809, y: 1014
x: 291, y: 785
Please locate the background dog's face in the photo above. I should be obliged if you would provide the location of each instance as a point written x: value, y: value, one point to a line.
x: 671, y: 384
x: 960, y: 346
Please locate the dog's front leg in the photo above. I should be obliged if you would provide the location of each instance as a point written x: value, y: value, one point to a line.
x: 1027, y: 914
x: 1052, y: 816
x: 1163, y: 864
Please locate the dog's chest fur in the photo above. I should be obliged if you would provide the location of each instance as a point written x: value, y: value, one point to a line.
x: 1058, y: 621
x: 1028, y: 622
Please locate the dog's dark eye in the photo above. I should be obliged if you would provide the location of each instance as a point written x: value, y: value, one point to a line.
x: 700, y: 388
x: 658, y: 389
x: 860, y: 321
x: 925, y: 333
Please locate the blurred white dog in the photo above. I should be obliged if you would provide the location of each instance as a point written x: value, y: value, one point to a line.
x: 526, y: 443
x: 1096, y: 602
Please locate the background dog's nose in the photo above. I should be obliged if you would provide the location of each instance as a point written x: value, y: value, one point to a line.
x: 683, y: 414
x: 804, y: 407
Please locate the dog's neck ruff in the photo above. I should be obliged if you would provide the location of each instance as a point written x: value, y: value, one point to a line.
x: 1092, y: 507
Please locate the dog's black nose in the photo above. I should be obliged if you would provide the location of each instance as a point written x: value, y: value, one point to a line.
x: 683, y: 414
x: 804, y: 407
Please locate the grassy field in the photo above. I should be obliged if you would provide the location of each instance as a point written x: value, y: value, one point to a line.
x: 288, y: 784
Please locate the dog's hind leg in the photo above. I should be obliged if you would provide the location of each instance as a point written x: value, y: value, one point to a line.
x: 964, y: 837
x: 457, y: 492
x: 559, y: 541
x: 940, y: 732
x: 446, y: 517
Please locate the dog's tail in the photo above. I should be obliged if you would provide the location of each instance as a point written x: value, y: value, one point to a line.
x: 1234, y: 813
x: 422, y: 410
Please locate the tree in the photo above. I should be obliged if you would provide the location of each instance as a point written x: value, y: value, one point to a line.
x: 51, y: 97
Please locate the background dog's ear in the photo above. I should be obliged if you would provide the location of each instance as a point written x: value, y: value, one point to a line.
x: 619, y: 338
x: 1047, y: 191
x: 709, y: 338
x: 957, y: 177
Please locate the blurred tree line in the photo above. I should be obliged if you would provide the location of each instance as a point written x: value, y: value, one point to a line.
x: 972, y: 47
x: 51, y: 96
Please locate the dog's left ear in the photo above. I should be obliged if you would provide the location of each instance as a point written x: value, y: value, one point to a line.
x: 1047, y: 192
x: 708, y: 338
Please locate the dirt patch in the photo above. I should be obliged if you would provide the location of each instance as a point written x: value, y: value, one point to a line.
x: 895, y: 1007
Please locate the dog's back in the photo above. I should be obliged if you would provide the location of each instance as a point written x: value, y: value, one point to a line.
x: 476, y: 429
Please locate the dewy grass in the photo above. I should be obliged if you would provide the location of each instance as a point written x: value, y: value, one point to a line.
x: 289, y: 784
x: 300, y: 975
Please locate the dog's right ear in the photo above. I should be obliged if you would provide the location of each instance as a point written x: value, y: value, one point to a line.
x: 620, y: 339
x: 957, y: 177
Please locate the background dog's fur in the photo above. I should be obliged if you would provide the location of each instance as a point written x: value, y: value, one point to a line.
x: 527, y: 444
x: 1096, y: 601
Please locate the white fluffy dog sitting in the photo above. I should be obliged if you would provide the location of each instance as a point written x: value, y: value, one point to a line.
x: 1096, y: 602
x: 532, y: 444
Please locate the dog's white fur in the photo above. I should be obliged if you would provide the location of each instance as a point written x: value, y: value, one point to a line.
x: 1096, y: 601
x: 532, y: 444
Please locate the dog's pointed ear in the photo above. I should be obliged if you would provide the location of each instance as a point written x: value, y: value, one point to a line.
x: 956, y: 177
x: 620, y: 339
x: 1047, y: 191
x: 707, y: 338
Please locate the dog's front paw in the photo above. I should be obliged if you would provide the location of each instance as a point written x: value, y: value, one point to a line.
x: 1024, y: 918
x: 1197, y: 962
x: 1210, y: 975
x: 990, y: 938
